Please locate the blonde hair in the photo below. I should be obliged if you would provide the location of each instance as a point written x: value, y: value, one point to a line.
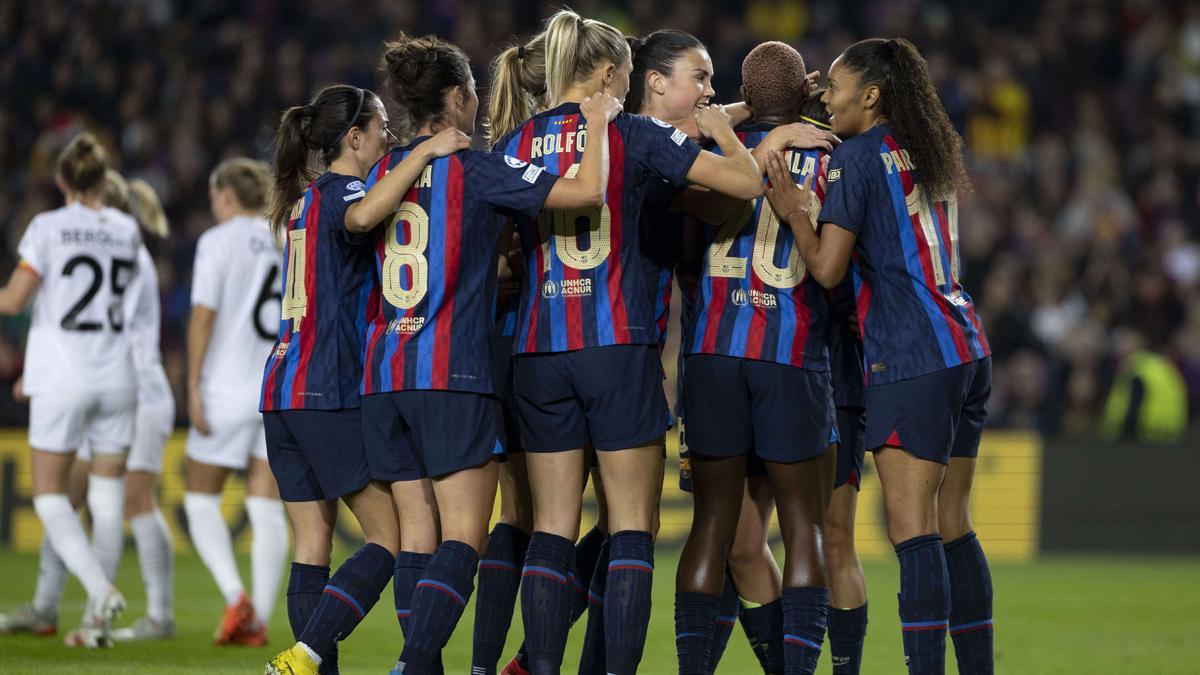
x: 518, y: 83
x: 137, y: 198
x: 575, y: 48
x: 82, y: 164
x: 250, y: 180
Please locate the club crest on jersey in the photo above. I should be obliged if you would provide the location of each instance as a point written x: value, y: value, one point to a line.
x: 281, y: 349
x: 549, y: 289
x: 514, y: 162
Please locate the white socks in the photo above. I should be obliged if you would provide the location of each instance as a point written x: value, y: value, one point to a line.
x: 52, y: 580
x: 66, y: 534
x: 268, y: 552
x: 106, y: 505
x: 211, y: 539
x: 156, y: 556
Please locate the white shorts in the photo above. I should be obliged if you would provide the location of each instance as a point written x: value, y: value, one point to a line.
x: 63, y: 421
x: 236, y: 437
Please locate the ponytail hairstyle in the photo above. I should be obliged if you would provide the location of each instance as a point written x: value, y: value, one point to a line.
x: 575, y: 48
x: 417, y: 72
x: 814, y: 111
x: 311, y: 132
x: 518, y: 87
x: 83, y: 163
x: 773, y: 79
x: 912, y: 107
x: 250, y: 180
x: 657, y: 51
x: 137, y: 198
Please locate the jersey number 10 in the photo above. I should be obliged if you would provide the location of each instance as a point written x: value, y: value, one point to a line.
x: 565, y: 226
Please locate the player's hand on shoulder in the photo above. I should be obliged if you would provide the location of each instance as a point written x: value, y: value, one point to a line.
x: 803, y: 136
x: 712, y: 118
x: 789, y: 201
x: 446, y: 142
x: 600, y: 107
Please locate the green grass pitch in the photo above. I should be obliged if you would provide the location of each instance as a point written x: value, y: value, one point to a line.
x: 1057, y: 615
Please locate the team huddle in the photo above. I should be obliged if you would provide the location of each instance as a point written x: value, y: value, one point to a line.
x: 455, y: 322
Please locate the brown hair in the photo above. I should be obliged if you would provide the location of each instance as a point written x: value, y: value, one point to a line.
x: 417, y: 72
x: 250, y: 180
x: 518, y: 84
x: 912, y: 107
x: 82, y: 164
x: 313, y: 131
x: 773, y: 79
x: 575, y: 48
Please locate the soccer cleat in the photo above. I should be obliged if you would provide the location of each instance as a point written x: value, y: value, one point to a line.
x: 145, y: 628
x: 26, y: 619
x: 514, y: 667
x: 237, y: 618
x: 252, y: 635
x: 294, y: 661
x: 96, y: 631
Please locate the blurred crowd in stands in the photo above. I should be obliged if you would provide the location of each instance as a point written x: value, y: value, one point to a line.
x: 1080, y: 242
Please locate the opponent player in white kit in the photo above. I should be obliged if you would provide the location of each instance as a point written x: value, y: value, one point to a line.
x: 155, y: 418
x: 77, y: 262
x: 235, y: 308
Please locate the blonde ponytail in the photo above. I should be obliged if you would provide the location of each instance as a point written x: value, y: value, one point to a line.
x: 518, y: 83
x: 575, y: 48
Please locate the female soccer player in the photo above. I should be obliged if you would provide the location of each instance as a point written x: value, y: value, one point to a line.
x: 891, y: 197
x: 431, y: 409
x: 78, y: 261
x: 233, y: 298
x: 310, y: 388
x: 586, y: 336
x: 756, y: 382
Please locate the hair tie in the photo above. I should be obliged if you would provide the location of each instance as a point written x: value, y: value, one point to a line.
x: 353, y: 119
x: 521, y: 53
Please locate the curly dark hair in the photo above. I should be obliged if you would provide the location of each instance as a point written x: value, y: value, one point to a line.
x: 912, y: 107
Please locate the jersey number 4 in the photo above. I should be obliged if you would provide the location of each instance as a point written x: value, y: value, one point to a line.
x: 119, y: 277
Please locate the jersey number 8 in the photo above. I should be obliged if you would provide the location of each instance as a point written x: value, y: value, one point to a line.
x: 565, y: 227
x: 412, y: 255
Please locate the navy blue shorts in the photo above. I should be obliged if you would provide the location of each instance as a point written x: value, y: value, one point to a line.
x: 736, y: 406
x: 316, y: 455
x: 427, y: 434
x: 502, y: 373
x: 754, y: 465
x: 935, y: 416
x: 608, y: 398
x: 852, y: 449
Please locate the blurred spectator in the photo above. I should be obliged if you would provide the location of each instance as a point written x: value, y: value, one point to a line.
x: 1081, y: 117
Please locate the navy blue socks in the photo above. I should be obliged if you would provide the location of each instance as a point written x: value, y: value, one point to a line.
x: 804, y: 616
x: 847, y: 631
x: 437, y: 604
x: 970, y: 605
x: 591, y: 659
x: 924, y: 603
x: 347, y: 598
x: 499, y: 583
x: 546, y: 600
x: 627, y: 600
x: 764, y: 630
x: 727, y: 616
x: 695, y: 624
x: 305, y: 587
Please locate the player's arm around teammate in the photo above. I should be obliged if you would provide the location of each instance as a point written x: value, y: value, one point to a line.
x: 310, y: 388
x: 431, y: 412
x: 892, y: 197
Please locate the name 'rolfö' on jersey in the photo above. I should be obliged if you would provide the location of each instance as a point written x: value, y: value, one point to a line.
x: 316, y: 362
x: 432, y: 321
x: 756, y: 298
x: 914, y: 314
x: 585, y: 285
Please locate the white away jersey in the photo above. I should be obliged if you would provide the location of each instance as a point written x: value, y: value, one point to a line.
x: 143, y: 321
x: 86, y: 259
x: 237, y: 275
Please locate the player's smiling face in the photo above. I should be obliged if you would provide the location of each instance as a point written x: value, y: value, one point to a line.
x: 852, y: 107
x: 689, y: 86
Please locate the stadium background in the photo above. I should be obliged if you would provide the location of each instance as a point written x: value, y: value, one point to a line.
x: 1080, y: 243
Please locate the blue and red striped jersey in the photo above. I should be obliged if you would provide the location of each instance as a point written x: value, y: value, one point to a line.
x: 432, y: 316
x: 585, y: 285
x: 757, y: 300
x: 915, y: 316
x: 661, y: 246
x: 845, y: 348
x: 508, y: 290
x: 316, y: 363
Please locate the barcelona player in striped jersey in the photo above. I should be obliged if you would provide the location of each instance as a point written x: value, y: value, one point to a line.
x: 891, y: 206
x: 586, y: 332
x: 756, y: 382
x: 310, y: 390
x: 430, y: 410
